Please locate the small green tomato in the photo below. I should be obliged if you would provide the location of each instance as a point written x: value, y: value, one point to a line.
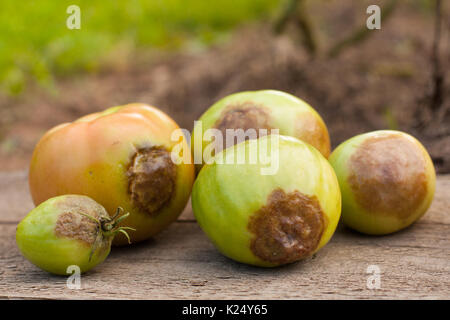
x: 268, y: 210
x: 387, y: 181
x: 68, y: 230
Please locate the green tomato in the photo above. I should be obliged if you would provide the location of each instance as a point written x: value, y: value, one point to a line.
x: 387, y: 181
x: 67, y: 230
x: 261, y: 111
x: 268, y: 213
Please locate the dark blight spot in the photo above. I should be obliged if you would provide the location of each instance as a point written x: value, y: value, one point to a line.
x: 244, y: 116
x: 388, y: 176
x: 151, y: 177
x: 71, y: 224
x: 288, y: 228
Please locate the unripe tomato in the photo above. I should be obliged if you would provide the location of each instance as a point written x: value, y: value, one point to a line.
x: 268, y: 213
x: 69, y: 230
x: 120, y: 157
x: 387, y: 181
x: 257, y: 113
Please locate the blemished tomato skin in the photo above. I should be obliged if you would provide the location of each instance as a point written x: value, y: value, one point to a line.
x: 387, y: 180
x: 91, y: 156
x: 265, y: 109
x: 227, y: 196
x: 38, y: 239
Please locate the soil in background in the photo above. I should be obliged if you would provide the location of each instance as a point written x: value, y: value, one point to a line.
x: 382, y: 83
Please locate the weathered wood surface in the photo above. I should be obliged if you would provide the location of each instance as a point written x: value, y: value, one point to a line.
x: 182, y: 264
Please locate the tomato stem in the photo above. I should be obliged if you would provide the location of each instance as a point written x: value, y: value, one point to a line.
x: 108, y: 227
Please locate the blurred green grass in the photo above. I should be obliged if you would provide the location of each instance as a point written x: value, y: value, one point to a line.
x: 36, y: 45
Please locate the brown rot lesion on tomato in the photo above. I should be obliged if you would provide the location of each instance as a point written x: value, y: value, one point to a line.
x: 106, y: 229
x: 245, y: 115
x: 288, y: 228
x: 312, y: 130
x: 151, y: 179
x: 85, y: 220
x: 74, y: 226
x: 71, y: 224
x: 392, y: 182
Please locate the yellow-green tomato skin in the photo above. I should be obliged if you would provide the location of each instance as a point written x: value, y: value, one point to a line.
x: 38, y: 242
x: 363, y: 218
x: 226, y: 195
x: 270, y: 109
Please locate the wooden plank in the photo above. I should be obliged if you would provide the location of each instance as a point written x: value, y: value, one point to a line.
x: 181, y: 263
x: 14, y: 195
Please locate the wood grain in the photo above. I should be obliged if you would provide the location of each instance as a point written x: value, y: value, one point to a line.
x: 181, y: 263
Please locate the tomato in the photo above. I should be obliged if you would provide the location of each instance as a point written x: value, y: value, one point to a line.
x: 268, y: 219
x: 120, y: 157
x: 69, y: 230
x: 387, y: 180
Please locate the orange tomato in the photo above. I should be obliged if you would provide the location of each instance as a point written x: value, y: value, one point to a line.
x: 120, y: 157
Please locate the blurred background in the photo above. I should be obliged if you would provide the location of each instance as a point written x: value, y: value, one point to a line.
x: 182, y: 56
